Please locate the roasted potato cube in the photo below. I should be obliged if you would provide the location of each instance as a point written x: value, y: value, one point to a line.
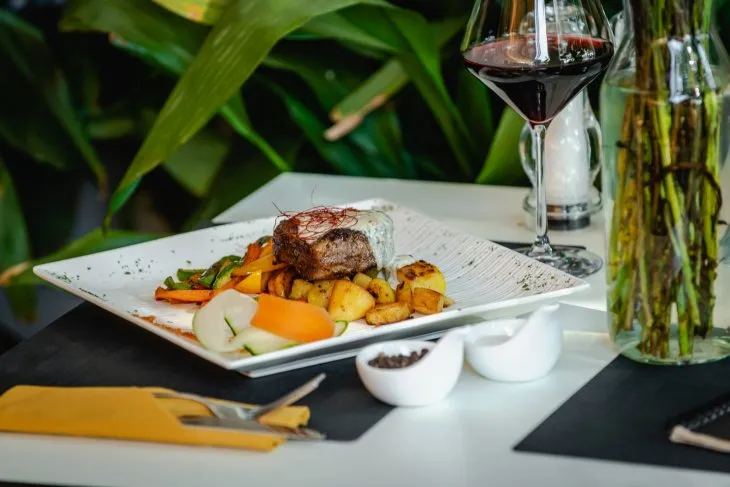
x: 349, y: 301
x: 448, y: 301
x: 404, y: 294
x: 281, y: 282
x: 299, y: 289
x: 427, y: 301
x: 384, y: 314
x: 421, y: 274
x: 362, y: 280
x: 319, y: 294
x: 381, y: 291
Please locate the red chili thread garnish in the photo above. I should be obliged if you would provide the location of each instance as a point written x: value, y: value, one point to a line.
x: 319, y: 220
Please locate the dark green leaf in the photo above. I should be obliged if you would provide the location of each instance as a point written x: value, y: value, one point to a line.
x: 339, y: 153
x: 196, y: 163
x: 239, y: 177
x: 382, y: 85
x: 379, y: 138
x: 328, y: 81
x: 163, y: 40
x: 423, y: 65
x: 105, y: 127
x: 238, y: 43
x: 37, y: 114
x: 418, y: 44
x: 503, y: 165
x: 454, y: 130
x: 140, y: 27
x: 472, y: 98
x: 93, y: 242
x: 14, y: 245
x: 389, y: 79
x: 334, y: 25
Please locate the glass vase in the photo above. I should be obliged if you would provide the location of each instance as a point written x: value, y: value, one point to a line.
x: 664, y: 113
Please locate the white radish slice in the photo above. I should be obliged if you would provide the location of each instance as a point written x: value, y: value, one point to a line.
x: 217, y: 325
x: 258, y: 341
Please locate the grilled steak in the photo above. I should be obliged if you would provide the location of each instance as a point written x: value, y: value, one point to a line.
x: 328, y: 244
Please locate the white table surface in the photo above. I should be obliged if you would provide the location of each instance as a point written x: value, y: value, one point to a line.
x: 466, y: 440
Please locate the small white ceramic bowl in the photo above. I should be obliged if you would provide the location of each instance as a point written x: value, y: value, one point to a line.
x: 424, y: 382
x: 515, y: 350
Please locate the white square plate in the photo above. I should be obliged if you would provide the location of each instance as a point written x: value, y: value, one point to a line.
x: 482, y: 277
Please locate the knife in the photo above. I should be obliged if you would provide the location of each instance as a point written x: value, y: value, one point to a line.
x: 252, y: 427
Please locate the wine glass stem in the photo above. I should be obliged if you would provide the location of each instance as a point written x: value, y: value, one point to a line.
x: 541, y: 244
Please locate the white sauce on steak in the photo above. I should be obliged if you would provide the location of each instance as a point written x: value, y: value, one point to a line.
x: 377, y: 227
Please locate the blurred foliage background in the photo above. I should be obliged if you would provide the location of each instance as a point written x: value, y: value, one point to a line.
x: 152, y: 116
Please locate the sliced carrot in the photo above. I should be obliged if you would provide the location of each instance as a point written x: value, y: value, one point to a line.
x: 183, y: 295
x: 266, y: 263
x: 293, y: 320
x: 253, y: 252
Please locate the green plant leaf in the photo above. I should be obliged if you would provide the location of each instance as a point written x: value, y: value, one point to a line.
x: 93, y: 242
x: 388, y: 80
x: 379, y: 139
x: 418, y: 44
x: 502, y: 165
x: 37, y: 114
x: 238, y: 43
x: 160, y: 38
x: 339, y: 154
x: 195, y: 164
x: 14, y: 245
x: 378, y: 88
x: 163, y: 40
x: 334, y: 25
x: 329, y: 81
x: 239, y: 177
x: 201, y: 11
x: 472, y: 98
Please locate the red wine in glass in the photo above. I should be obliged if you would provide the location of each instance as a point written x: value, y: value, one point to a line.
x: 539, y: 92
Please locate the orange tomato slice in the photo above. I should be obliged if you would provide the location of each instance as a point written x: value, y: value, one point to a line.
x: 293, y: 320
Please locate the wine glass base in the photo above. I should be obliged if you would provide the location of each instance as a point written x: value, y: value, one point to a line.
x: 576, y: 262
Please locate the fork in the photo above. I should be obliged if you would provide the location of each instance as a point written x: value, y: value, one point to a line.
x: 231, y: 411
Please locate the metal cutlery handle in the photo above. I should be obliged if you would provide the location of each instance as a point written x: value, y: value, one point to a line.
x: 252, y: 426
x: 291, y: 397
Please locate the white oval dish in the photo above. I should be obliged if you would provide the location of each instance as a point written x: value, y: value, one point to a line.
x: 425, y: 382
x: 515, y: 350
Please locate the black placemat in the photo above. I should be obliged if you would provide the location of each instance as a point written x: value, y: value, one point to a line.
x: 91, y: 347
x: 623, y: 414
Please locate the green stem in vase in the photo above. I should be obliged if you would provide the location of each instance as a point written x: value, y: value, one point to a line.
x: 663, y: 245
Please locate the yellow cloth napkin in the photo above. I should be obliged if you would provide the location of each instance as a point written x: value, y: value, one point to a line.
x: 128, y: 413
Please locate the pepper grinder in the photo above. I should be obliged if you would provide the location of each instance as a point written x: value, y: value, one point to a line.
x: 572, y: 162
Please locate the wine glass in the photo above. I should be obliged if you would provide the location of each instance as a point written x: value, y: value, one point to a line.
x: 537, y: 55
